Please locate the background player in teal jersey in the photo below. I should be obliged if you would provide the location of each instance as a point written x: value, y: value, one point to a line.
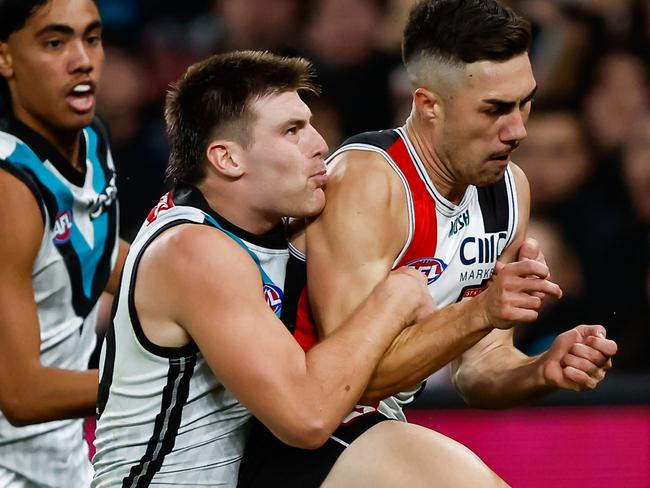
x: 61, y: 249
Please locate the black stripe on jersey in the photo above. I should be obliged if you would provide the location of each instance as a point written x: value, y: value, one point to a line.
x: 294, y: 282
x: 166, y: 425
x: 162, y: 351
x: 192, y: 197
x: 109, y: 361
x: 46, y: 151
x: 495, y: 207
x: 382, y: 139
x: 30, y: 182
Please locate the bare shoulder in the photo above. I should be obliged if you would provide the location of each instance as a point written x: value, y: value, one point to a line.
x: 363, y: 185
x: 22, y: 214
x: 520, y: 179
x: 188, y: 247
x: 191, y: 270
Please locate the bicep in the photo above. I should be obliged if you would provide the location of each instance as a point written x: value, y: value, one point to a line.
x: 214, y: 292
x: 19, y: 327
x: 351, y: 246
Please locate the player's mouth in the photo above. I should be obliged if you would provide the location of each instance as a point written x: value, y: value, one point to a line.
x: 319, y: 178
x: 502, y: 158
x: 81, y: 97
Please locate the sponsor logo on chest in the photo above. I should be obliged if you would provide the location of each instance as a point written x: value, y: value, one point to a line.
x: 482, y: 250
x: 458, y: 223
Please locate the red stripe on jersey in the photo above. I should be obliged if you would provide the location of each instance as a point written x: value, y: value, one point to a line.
x: 425, y: 235
x: 305, y: 332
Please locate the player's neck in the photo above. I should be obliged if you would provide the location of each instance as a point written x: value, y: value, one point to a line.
x: 67, y: 143
x: 439, y: 173
x: 240, y: 214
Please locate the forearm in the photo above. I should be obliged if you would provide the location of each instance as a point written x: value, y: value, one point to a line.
x: 500, y: 378
x: 335, y: 374
x: 422, y: 349
x: 51, y: 394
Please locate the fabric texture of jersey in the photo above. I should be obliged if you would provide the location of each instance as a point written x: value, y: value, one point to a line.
x: 455, y: 245
x: 76, y: 256
x: 163, y: 416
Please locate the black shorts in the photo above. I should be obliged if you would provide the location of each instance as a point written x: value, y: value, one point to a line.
x: 268, y: 462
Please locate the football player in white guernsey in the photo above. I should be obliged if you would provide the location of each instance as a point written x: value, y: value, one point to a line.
x: 195, y: 344
x: 440, y: 194
x: 60, y: 248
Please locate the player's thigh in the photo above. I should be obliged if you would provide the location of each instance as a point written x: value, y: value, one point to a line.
x: 394, y: 454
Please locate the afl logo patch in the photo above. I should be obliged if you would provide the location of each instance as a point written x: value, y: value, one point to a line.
x: 431, y: 267
x: 273, y: 296
x: 62, y: 227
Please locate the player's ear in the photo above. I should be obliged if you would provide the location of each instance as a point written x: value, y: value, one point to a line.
x: 428, y: 104
x: 225, y: 157
x: 6, y: 69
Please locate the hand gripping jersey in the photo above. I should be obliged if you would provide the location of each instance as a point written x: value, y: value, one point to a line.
x: 456, y: 246
x: 163, y: 416
x: 72, y: 267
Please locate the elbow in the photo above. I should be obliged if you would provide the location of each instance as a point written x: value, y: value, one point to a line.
x: 306, y: 432
x: 467, y: 386
x: 17, y: 413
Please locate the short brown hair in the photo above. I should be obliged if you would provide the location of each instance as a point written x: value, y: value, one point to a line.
x: 214, y: 97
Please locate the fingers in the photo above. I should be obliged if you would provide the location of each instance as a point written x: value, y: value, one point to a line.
x: 588, y: 367
x: 529, y: 250
x: 578, y: 380
x: 412, y: 272
x: 527, y: 268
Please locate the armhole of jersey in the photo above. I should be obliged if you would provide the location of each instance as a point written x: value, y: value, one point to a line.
x: 513, y: 203
x: 297, y: 253
x: 155, y: 349
x: 407, y: 190
x: 29, y: 182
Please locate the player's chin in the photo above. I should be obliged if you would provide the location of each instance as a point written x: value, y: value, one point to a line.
x: 314, y: 204
x: 77, y: 121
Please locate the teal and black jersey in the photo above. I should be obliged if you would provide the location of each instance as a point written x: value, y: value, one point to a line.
x: 75, y: 259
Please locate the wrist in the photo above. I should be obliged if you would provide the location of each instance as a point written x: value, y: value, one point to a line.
x: 478, y: 316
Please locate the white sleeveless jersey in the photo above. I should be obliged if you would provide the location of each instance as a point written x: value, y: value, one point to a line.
x: 164, y: 419
x: 456, y: 246
x: 76, y: 256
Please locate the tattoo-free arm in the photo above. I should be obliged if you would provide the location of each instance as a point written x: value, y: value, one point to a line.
x: 29, y: 392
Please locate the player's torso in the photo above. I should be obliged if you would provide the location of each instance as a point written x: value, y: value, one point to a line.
x: 71, y: 269
x: 79, y: 244
x: 455, y: 245
x: 196, y: 421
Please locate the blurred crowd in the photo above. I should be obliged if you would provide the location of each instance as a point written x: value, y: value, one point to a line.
x: 587, y: 154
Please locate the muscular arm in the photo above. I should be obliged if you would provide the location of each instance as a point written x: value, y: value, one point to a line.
x: 495, y: 374
x: 29, y: 392
x: 213, y: 292
x: 352, y: 246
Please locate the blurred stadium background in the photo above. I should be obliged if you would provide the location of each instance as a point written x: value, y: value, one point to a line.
x: 587, y: 157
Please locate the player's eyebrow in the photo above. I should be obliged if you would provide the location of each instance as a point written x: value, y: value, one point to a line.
x: 504, y: 104
x: 66, y: 29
